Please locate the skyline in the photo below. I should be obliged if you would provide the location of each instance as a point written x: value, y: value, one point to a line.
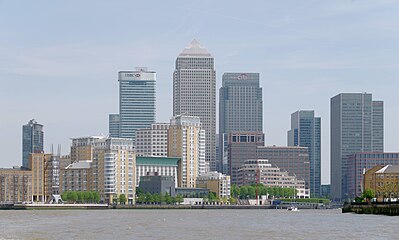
x: 305, y: 53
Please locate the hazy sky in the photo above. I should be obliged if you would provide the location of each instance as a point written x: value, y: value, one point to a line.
x: 59, y: 59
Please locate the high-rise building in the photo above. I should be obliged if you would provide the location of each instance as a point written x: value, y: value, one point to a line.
x: 186, y: 140
x: 294, y: 160
x: 306, y: 132
x: 240, y: 109
x: 194, y: 92
x: 137, y: 103
x: 114, y: 125
x: 32, y: 140
x: 357, y: 125
x: 242, y: 146
x: 153, y: 141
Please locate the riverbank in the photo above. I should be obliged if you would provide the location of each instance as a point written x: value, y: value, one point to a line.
x: 389, y: 209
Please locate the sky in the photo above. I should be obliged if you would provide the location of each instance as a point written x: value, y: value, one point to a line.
x: 59, y: 60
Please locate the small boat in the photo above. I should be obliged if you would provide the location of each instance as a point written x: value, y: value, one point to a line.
x: 292, y: 209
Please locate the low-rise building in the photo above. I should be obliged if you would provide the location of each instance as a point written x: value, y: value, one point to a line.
x: 260, y: 171
x: 383, y: 180
x: 154, y: 183
x: 163, y: 166
x: 216, y: 182
x: 15, y: 185
x: 76, y: 177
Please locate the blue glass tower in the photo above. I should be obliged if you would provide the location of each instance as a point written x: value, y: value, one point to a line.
x: 306, y: 132
x: 32, y: 140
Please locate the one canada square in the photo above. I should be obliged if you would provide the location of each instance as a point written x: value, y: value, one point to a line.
x: 240, y: 110
x: 194, y: 92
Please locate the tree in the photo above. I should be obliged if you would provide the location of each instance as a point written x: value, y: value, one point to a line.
x: 179, y: 198
x: 243, y: 192
x: 235, y: 190
x: 157, y: 198
x: 122, y: 199
x: 168, y: 198
x: 368, y: 194
x: 73, y: 196
x: 149, y: 198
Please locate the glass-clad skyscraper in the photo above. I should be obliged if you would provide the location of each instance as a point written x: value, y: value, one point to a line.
x: 32, y: 140
x: 306, y: 132
x: 357, y: 125
x: 240, y: 110
x: 137, y: 103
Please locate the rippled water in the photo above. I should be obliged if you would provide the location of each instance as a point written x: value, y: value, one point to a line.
x: 194, y: 224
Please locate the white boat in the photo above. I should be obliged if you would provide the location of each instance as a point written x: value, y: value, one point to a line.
x: 292, y: 209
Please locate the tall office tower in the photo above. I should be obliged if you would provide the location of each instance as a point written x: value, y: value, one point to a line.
x: 357, y: 125
x: 294, y: 160
x: 32, y: 140
x: 136, y: 102
x: 194, y: 92
x: 242, y: 146
x: 240, y: 109
x: 186, y: 140
x: 153, y: 141
x: 114, y: 125
x: 306, y: 132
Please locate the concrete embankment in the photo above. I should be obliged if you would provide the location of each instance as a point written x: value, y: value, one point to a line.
x: 388, y: 209
x: 38, y: 206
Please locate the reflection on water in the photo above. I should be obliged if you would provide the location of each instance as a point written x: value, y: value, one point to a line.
x: 194, y: 224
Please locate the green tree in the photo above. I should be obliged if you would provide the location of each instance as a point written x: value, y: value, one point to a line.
x: 179, y: 198
x: 149, y: 199
x: 252, y: 191
x: 235, y: 190
x: 167, y: 198
x: 243, y: 192
x: 368, y: 194
x: 96, y: 197
x: 73, y: 197
x: 157, y: 198
x: 122, y: 199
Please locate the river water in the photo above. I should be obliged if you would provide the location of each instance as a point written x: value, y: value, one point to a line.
x: 194, y: 224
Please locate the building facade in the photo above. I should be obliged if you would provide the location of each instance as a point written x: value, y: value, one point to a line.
x: 242, y: 146
x: 82, y: 148
x: 186, y: 140
x: 76, y: 176
x: 153, y: 141
x: 360, y: 162
x: 32, y: 140
x: 294, y: 160
x: 240, y: 109
x: 38, y: 163
x: 383, y: 180
x: 162, y: 166
x: 260, y: 171
x: 137, y: 103
x: 15, y: 185
x: 216, y: 182
x: 153, y: 183
x: 194, y: 92
x: 357, y: 125
x: 306, y: 132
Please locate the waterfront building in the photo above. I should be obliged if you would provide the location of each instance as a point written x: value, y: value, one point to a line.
x: 154, y: 183
x: 15, y: 185
x: 242, y: 146
x: 82, y: 148
x: 306, y: 132
x: 137, y: 103
x: 240, y: 110
x: 114, y: 169
x: 360, y: 162
x: 383, y: 180
x: 163, y: 166
x: 37, y: 164
x: 261, y: 171
x: 357, y: 125
x: 194, y: 92
x: 186, y: 140
x: 76, y: 176
x: 152, y: 141
x: 32, y: 140
x: 216, y: 182
x: 294, y: 160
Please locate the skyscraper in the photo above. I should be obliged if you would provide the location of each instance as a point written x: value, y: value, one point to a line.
x: 305, y: 132
x: 357, y: 125
x: 240, y: 109
x: 137, y: 103
x: 32, y: 140
x: 194, y: 92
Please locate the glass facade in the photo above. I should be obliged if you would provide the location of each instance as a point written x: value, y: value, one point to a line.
x: 306, y: 132
x: 32, y: 140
